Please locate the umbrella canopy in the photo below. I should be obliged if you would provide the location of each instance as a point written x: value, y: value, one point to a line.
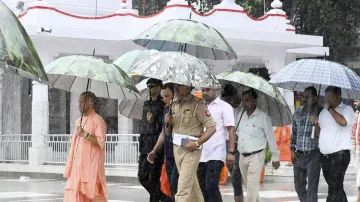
x: 176, y: 67
x: 189, y: 36
x: 318, y: 73
x: 73, y: 73
x: 133, y: 108
x: 128, y: 59
x: 269, y: 98
x: 17, y: 52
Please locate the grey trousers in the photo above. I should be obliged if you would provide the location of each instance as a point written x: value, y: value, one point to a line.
x: 307, y: 169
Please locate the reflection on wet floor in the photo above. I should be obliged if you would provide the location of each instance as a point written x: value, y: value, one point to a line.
x: 32, y: 189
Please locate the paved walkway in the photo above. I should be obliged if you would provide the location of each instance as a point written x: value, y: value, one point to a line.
x: 42, y: 190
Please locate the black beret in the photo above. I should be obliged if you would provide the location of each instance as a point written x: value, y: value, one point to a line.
x: 154, y: 81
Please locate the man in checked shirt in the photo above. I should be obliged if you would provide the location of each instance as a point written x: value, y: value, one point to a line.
x: 305, y: 153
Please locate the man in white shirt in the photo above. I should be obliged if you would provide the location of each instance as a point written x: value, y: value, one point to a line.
x: 335, y: 123
x: 255, y: 132
x: 214, y: 153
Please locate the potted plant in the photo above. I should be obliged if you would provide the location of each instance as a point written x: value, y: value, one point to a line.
x: 268, y: 156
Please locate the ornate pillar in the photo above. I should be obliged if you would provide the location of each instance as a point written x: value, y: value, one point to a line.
x: 126, y: 7
x: 40, y: 118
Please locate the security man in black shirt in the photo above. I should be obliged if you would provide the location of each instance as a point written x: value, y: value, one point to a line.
x: 150, y: 129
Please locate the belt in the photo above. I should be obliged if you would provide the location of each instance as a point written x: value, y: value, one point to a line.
x: 307, y: 152
x: 336, y: 153
x: 251, y: 153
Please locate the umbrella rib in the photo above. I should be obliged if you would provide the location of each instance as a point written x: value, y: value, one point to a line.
x: 107, y: 88
x: 122, y: 90
x: 72, y: 83
x: 56, y: 80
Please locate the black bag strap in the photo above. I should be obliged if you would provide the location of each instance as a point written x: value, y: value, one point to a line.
x: 237, y: 126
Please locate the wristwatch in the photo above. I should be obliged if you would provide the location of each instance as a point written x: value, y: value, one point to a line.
x: 232, y: 153
x: 197, y: 144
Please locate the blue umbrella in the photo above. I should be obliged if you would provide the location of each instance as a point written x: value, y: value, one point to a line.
x: 318, y: 73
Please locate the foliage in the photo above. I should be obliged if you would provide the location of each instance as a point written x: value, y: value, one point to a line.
x: 268, y: 154
x: 149, y: 7
x: 336, y: 21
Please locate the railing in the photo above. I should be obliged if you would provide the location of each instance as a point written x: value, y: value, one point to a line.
x: 15, y: 148
x: 121, y: 149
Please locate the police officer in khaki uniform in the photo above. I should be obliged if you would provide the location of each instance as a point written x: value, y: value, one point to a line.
x: 186, y: 123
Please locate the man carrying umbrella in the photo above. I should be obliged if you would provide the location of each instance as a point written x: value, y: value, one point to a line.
x: 335, y: 123
x: 305, y: 153
x: 255, y: 132
x: 187, y: 122
x: 150, y: 129
x: 85, y: 170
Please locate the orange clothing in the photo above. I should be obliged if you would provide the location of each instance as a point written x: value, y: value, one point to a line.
x: 283, y: 138
x: 85, y: 170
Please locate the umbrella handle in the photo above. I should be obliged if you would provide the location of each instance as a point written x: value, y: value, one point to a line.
x: 316, y: 113
x: 172, y: 101
x: 82, y: 113
x: 313, y: 132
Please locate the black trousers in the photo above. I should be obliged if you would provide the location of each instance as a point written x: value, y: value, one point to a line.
x: 236, y: 178
x: 334, y: 167
x: 307, y: 169
x: 209, y: 176
x: 149, y: 174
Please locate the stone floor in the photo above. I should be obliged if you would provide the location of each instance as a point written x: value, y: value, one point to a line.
x: 35, y: 189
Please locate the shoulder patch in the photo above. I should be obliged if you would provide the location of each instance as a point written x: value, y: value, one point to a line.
x: 207, y: 113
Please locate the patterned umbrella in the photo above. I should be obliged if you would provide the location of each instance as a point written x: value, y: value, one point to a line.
x: 79, y: 73
x: 128, y: 59
x: 189, y: 36
x: 17, y: 52
x: 176, y: 67
x: 269, y: 98
x: 318, y: 73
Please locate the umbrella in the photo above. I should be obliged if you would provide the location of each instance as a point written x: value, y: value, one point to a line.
x: 189, y: 36
x: 128, y: 59
x: 133, y: 108
x: 269, y: 98
x: 176, y: 67
x: 318, y: 73
x: 78, y: 73
x: 17, y: 52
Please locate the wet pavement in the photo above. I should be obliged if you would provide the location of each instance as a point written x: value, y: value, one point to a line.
x: 31, y: 190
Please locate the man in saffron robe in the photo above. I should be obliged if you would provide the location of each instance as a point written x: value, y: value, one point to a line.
x: 85, y: 170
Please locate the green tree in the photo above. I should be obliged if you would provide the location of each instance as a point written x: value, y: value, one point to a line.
x: 336, y: 21
x: 149, y: 7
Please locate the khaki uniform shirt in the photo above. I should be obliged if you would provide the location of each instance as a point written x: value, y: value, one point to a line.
x: 190, y: 116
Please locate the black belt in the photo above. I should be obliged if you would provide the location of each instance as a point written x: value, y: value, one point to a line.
x: 251, y: 153
x: 306, y: 152
x: 336, y: 153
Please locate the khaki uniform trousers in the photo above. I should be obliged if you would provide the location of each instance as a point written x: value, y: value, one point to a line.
x: 188, y: 185
x: 251, y: 168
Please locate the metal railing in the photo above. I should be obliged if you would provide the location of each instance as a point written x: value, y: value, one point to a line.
x: 121, y: 149
x: 15, y: 148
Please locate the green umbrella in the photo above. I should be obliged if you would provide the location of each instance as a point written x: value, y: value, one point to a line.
x: 269, y: 98
x: 17, y: 52
x: 79, y: 73
x: 189, y: 36
x: 128, y: 59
